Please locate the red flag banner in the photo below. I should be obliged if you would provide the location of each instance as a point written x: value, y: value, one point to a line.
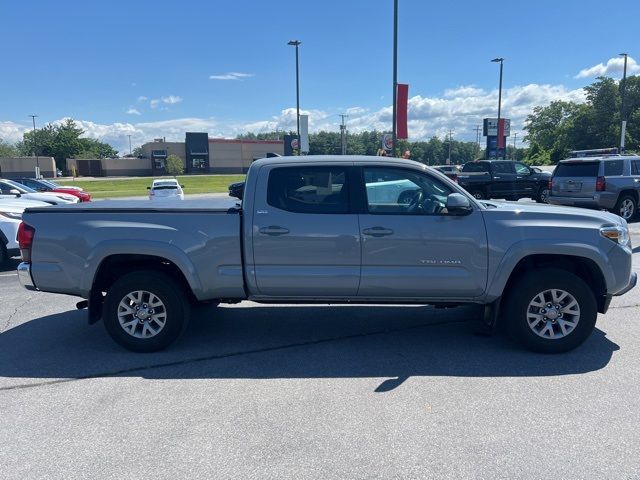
x: 402, y: 99
x: 500, y: 143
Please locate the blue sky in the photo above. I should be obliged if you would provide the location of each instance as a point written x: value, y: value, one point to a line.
x: 145, y: 68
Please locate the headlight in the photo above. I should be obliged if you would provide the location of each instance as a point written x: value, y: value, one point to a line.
x: 13, y: 215
x: 620, y: 235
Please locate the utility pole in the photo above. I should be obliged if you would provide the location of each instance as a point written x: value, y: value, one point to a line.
x: 449, y: 158
x: 129, y: 144
x: 343, y: 134
x: 623, y: 88
x: 515, y: 137
x: 499, y: 140
x: 395, y: 75
x: 296, y: 43
x: 35, y: 146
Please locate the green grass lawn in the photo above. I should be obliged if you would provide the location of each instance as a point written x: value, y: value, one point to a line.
x: 131, y: 187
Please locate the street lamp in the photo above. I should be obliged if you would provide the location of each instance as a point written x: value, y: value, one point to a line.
x: 500, y: 60
x: 296, y: 43
x: 623, y: 88
x: 35, y: 146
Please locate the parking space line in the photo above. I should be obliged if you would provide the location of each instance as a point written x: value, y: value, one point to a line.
x: 8, y: 274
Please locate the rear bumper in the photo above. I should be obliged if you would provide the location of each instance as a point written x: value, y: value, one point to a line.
x: 24, y: 275
x: 598, y: 201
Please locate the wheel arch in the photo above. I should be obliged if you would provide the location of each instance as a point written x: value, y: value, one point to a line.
x: 583, y: 267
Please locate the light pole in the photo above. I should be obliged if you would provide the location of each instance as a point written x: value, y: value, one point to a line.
x: 500, y: 60
x: 395, y: 76
x: 35, y: 146
x: 129, y: 144
x: 623, y: 88
x: 296, y: 43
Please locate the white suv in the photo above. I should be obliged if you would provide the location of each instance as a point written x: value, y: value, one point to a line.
x: 10, y: 218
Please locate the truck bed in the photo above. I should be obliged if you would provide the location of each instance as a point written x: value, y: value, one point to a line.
x: 199, y: 238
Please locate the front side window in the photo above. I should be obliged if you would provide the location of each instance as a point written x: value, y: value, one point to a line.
x: 309, y: 189
x: 399, y: 191
x: 522, y: 169
x: 502, y: 167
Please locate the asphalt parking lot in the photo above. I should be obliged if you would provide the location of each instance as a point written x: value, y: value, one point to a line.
x: 253, y: 391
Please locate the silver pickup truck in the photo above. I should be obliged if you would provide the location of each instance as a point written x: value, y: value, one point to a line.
x: 332, y: 230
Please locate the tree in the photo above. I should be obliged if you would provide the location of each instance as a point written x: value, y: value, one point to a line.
x: 7, y: 150
x: 174, y: 165
x: 63, y: 141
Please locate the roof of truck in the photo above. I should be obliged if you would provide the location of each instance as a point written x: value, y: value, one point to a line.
x: 311, y: 159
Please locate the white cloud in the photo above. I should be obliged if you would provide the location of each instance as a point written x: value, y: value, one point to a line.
x: 428, y: 116
x: 12, y: 132
x: 169, y: 100
x: 142, y: 98
x: 231, y: 76
x: 133, y: 111
x: 614, y: 65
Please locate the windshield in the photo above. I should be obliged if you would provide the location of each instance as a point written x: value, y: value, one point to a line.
x: 18, y: 186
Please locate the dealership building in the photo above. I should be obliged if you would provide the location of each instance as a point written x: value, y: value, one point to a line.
x: 199, y: 154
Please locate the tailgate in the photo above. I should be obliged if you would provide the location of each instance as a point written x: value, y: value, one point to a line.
x: 575, y: 179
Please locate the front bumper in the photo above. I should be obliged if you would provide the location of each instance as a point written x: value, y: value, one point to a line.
x: 24, y: 275
x: 632, y: 283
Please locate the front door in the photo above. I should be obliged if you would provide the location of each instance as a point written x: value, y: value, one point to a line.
x: 503, y: 183
x: 306, y: 243
x: 411, y: 246
x: 526, y: 182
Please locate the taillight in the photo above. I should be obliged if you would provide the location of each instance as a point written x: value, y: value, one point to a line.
x: 454, y: 177
x: 601, y: 184
x: 25, y: 240
x: 550, y: 184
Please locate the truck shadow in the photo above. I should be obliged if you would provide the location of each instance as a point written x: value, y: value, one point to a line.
x: 390, y: 343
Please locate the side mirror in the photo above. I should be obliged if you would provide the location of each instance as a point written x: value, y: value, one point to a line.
x: 148, y: 188
x: 15, y: 192
x: 458, y: 204
x: 181, y: 186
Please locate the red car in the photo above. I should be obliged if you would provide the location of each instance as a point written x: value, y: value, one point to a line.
x: 42, y: 185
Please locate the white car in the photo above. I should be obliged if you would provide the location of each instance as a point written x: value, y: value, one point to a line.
x: 12, y: 190
x: 166, y: 189
x: 10, y: 218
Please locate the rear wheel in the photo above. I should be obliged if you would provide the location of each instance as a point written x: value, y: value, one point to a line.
x: 626, y: 207
x: 543, y: 195
x: 478, y: 194
x: 551, y: 311
x: 145, y: 311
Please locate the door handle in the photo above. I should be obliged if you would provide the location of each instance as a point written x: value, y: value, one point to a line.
x: 274, y: 230
x: 496, y: 177
x: 377, y: 231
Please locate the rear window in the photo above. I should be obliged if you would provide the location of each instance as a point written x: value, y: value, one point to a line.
x: 613, y: 167
x: 165, y: 187
x: 475, y: 167
x: 577, y: 169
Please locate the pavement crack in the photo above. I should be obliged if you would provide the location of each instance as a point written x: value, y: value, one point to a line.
x: 635, y: 305
x: 240, y: 353
x: 13, y: 314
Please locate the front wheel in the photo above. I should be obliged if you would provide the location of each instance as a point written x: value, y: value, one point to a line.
x: 550, y: 311
x: 145, y: 311
x: 626, y: 207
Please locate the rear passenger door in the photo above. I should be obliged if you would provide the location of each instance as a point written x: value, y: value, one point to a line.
x: 306, y: 241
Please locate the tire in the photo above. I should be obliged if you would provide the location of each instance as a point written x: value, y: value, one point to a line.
x: 3, y: 255
x: 142, y: 329
x: 478, y: 194
x: 543, y: 195
x: 525, y: 313
x: 626, y: 207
